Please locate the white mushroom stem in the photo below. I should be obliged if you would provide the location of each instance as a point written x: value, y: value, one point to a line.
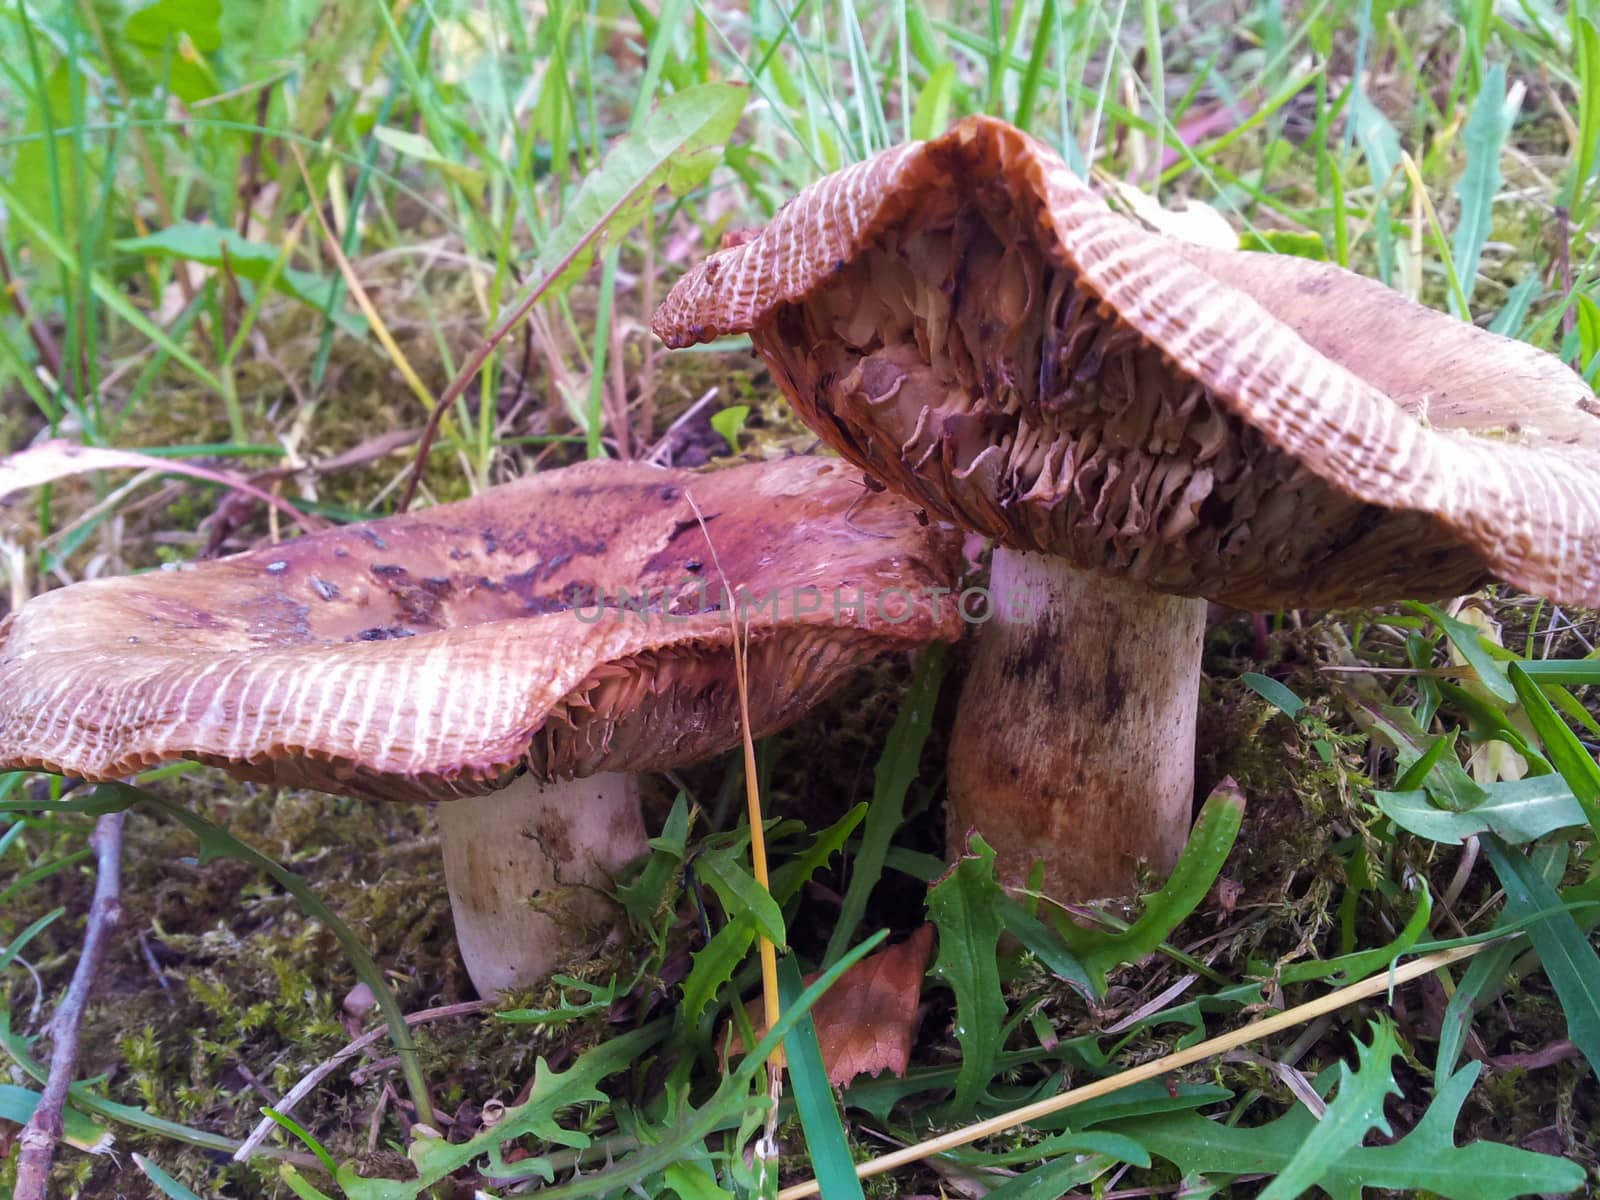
x: 1074, y: 739
x: 528, y: 869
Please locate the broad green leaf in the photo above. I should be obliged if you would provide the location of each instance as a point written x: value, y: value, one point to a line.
x: 154, y: 24
x: 1588, y: 331
x: 739, y: 892
x: 1055, y: 1179
x: 1567, y: 754
x: 1517, y: 810
x: 965, y: 907
x: 826, y: 1144
x: 1426, y: 1160
x: 420, y: 148
x: 693, y: 1180
x: 729, y: 422
x: 1356, y: 1108
x: 1569, y: 961
x: 43, y: 162
x: 1274, y: 693
x: 931, y: 112
x: 676, y: 147
x: 1468, y: 639
x: 1447, y: 781
x: 1203, y: 855
x: 78, y: 1131
x: 1492, y: 115
x: 213, y: 246
x: 1044, y: 943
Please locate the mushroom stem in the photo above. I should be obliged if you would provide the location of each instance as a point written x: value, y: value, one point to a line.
x: 1074, y: 738
x: 528, y: 867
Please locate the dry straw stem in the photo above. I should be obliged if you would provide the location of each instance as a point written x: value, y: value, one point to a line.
x: 758, y: 841
x: 1263, y: 1028
x: 358, y: 293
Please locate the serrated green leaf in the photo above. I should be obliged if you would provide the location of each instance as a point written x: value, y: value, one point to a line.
x: 965, y: 908
x: 790, y: 877
x: 1425, y: 1160
x: 1351, y: 967
x: 552, y: 1091
x: 714, y: 964
x: 674, y: 147
x: 1357, y: 1108
x: 1203, y: 855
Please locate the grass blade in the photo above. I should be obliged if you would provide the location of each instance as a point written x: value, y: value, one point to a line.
x: 1566, y: 752
x: 1569, y: 961
x: 827, y: 1146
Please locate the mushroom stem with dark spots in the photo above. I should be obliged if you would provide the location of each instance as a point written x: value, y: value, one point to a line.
x: 528, y: 864
x: 1074, y: 740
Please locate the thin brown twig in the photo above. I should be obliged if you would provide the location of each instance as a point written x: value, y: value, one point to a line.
x: 43, y: 1131
x: 322, y: 1070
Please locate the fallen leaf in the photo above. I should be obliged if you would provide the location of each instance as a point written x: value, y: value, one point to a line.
x: 866, y: 1021
x: 59, y: 459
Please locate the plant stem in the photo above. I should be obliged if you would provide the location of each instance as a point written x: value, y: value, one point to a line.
x: 43, y: 1130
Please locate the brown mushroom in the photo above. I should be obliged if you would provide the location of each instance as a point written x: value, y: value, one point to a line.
x: 1137, y: 423
x: 520, y: 655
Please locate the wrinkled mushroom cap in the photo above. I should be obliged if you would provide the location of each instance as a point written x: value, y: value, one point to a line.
x: 442, y: 652
x: 967, y: 321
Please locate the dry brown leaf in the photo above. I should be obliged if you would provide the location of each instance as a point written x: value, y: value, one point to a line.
x: 866, y: 1021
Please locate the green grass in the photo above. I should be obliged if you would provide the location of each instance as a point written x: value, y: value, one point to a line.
x: 454, y: 153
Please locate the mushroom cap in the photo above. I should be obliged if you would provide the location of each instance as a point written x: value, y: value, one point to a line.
x: 967, y: 321
x: 442, y: 652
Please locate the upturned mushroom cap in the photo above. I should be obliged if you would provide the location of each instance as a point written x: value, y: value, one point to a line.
x: 440, y: 653
x: 967, y: 321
